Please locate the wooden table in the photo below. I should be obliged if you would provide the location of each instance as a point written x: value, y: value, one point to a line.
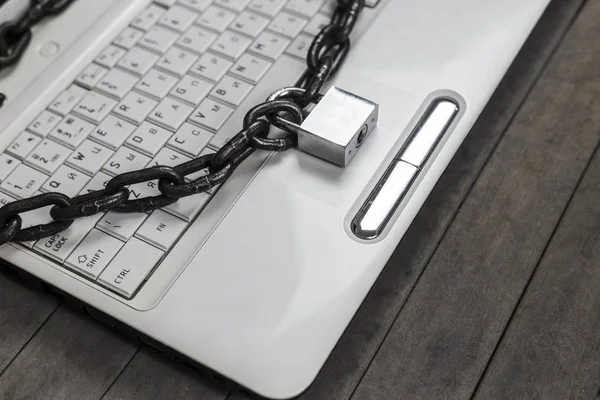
x: 493, y: 294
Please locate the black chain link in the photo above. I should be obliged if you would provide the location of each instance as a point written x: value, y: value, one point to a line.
x: 284, y: 109
x: 15, y: 36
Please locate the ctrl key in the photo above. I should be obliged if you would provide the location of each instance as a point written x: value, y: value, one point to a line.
x: 130, y: 267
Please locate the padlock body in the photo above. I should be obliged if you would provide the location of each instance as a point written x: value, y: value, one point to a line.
x: 338, y: 126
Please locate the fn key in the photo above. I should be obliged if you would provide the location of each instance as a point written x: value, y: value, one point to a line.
x: 130, y: 267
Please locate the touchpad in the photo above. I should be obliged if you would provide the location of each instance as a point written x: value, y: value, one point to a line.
x: 330, y: 183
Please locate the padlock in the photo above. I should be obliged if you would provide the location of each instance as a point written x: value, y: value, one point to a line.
x: 337, y: 127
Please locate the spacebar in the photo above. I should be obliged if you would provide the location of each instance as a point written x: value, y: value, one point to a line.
x: 285, y: 72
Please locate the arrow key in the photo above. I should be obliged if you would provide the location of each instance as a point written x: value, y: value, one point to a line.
x: 92, y: 256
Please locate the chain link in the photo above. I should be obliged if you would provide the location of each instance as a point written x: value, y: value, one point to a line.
x: 15, y: 36
x: 285, y: 109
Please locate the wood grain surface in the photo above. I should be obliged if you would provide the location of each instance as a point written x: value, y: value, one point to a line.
x: 494, y: 293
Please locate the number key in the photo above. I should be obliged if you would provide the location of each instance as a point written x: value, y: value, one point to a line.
x: 48, y: 156
x: 216, y: 18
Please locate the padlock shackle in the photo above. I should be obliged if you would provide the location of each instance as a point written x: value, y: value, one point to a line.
x: 289, y: 91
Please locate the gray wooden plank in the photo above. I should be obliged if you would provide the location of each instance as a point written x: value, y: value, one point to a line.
x: 69, y: 358
x: 22, y: 311
x: 364, y: 342
x: 151, y: 377
x: 359, y: 344
x: 551, y: 349
x: 443, y: 338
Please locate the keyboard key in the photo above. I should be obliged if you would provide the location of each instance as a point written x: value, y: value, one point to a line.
x: 116, y: 83
x: 48, y: 156
x: 94, y: 107
x: 89, y: 157
x: 148, y: 17
x: 250, y: 68
x: 300, y: 46
x: 197, y: 5
x: 121, y: 225
x: 110, y: 56
x: 128, y: 38
x: 98, y: 182
x: 156, y: 84
x: 44, y: 123
x: 188, y: 207
x: 148, y: 139
x: 216, y: 18
x: 23, y: 145
x: 285, y: 70
x: 158, y: 39
x: 67, y: 181
x: 316, y: 24
x: 196, y: 39
x: 168, y: 157
x: 143, y: 190
x: 94, y: 254
x: 112, y: 132
x: 211, y: 67
x: 306, y: 8
x: 190, y: 140
x: 77, y: 90
x: 130, y: 267
x: 5, y: 199
x: 234, y: 5
x: 7, y: 164
x: 191, y: 90
x: 287, y: 24
x: 178, y: 18
x: 231, y: 44
x: 161, y: 230
x: 170, y: 114
x: 61, y: 245
x: 267, y: 7
x: 64, y: 103
x: 269, y: 45
x: 177, y: 61
x: 249, y: 24
x: 138, y: 61
x: 135, y: 107
x: 91, y: 76
x: 211, y: 114
x: 23, y: 182
x: 231, y: 90
x: 71, y: 131
x: 125, y: 160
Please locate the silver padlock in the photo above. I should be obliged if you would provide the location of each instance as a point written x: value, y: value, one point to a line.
x: 337, y: 126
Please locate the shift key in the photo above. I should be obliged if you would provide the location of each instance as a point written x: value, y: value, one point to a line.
x: 94, y: 254
x: 130, y: 268
x: 61, y: 245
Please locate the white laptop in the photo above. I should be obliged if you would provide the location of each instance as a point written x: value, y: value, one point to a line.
x: 257, y: 280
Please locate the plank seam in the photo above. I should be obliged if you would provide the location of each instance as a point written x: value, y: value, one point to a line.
x: 34, y: 334
x: 103, y: 395
x: 461, y: 204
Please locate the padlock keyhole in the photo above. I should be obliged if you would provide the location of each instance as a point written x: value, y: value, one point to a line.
x: 362, y: 135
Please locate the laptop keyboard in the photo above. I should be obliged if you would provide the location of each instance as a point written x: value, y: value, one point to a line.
x: 159, y: 94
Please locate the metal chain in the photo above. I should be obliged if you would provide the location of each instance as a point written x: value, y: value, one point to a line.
x: 16, y: 35
x: 286, y: 106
